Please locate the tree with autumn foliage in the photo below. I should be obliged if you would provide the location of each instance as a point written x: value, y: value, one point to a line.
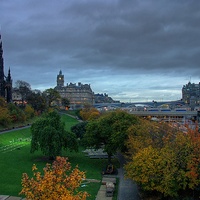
x: 146, y: 133
x: 10, y: 113
x: 164, y: 159
x: 88, y: 113
x: 29, y: 111
x: 59, y: 181
x: 4, y: 113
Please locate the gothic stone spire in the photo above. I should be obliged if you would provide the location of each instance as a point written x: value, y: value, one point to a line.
x: 2, y: 81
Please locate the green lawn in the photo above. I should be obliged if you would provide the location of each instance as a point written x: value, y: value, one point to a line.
x: 16, y: 159
x: 69, y: 121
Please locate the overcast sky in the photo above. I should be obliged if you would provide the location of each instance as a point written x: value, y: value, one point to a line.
x: 133, y: 50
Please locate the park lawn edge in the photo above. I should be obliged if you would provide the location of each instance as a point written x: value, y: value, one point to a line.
x: 21, y: 161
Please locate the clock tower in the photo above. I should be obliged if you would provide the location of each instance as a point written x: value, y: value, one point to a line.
x: 8, y: 87
x: 60, y: 79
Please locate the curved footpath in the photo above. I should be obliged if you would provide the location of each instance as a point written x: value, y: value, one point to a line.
x: 127, y: 189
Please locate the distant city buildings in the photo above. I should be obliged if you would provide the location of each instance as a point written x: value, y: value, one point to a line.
x: 191, y: 94
x: 104, y: 98
x: 79, y: 94
x: 76, y: 94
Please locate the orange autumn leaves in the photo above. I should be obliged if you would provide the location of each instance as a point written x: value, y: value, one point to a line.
x: 163, y: 158
x: 89, y: 113
x: 59, y: 181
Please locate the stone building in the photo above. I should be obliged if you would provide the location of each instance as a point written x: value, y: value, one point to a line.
x: 16, y: 96
x: 191, y: 94
x: 5, y: 81
x: 104, y: 98
x: 77, y: 94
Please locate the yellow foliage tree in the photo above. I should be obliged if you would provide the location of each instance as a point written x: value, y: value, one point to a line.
x: 4, y: 113
x: 163, y: 159
x: 29, y: 111
x: 58, y: 182
x: 89, y: 113
x: 148, y: 133
x: 4, y: 116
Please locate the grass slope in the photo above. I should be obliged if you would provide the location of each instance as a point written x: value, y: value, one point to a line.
x: 18, y: 159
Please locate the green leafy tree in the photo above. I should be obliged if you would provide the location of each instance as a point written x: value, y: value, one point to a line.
x: 109, y: 130
x: 65, y: 102
x: 49, y: 135
x: 24, y: 89
x: 79, y: 129
x: 37, y: 101
x: 51, y: 95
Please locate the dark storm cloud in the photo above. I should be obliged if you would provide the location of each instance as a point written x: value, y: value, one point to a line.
x: 116, y: 45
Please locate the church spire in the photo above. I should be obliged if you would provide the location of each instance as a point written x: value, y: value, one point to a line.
x: 9, y: 87
x: 9, y: 76
x: 1, y: 54
x: 1, y: 59
x: 2, y: 81
x: 5, y: 82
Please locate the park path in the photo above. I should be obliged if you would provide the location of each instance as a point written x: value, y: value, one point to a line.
x: 5, y: 197
x: 127, y: 189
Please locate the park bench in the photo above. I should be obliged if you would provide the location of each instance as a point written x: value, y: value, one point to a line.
x: 110, y: 187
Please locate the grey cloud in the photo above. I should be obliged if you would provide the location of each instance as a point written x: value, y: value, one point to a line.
x: 100, y: 40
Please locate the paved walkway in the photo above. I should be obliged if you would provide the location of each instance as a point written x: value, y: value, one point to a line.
x: 5, y: 197
x: 127, y: 188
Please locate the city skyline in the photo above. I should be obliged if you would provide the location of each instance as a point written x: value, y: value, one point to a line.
x: 135, y: 51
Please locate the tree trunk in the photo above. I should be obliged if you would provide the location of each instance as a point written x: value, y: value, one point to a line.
x: 109, y: 158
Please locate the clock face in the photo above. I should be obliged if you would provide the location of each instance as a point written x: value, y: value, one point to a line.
x: 60, y: 78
